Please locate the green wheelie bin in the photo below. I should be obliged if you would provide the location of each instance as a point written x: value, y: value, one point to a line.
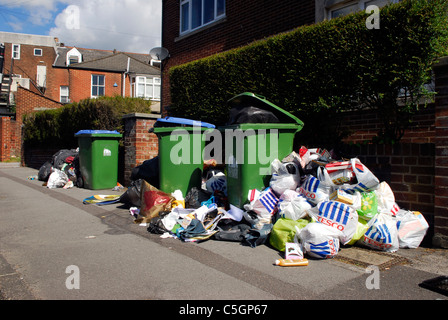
x: 98, y: 158
x: 181, y: 145
x: 251, y: 147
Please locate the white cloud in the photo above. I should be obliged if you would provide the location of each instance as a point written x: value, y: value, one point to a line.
x: 126, y: 25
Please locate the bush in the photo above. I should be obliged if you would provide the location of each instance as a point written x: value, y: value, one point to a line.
x: 57, y: 127
x: 319, y: 71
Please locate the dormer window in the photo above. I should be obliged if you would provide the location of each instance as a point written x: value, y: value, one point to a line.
x: 73, y: 59
x: 74, y: 56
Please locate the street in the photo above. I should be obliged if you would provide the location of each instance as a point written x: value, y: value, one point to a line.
x: 54, y: 247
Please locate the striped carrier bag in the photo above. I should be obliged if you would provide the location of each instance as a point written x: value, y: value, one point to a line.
x: 366, y: 180
x: 382, y: 234
x: 319, y: 241
x: 337, y: 215
x: 264, y: 204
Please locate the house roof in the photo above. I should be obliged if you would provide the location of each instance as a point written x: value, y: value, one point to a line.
x: 106, y: 60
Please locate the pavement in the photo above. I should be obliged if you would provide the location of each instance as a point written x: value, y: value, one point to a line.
x: 54, y: 247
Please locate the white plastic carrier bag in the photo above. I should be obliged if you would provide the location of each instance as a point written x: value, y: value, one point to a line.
x: 365, y: 180
x: 386, y: 199
x: 57, y: 179
x: 264, y: 204
x: 292, y: 205
x: 412, y: 228
x: 382, y: 234
x: 319, y: 241
x: 314, y: 190
x: 285, y: 176
x: 337, y: 215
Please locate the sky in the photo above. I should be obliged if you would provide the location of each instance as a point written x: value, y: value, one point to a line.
x: 125, y: 25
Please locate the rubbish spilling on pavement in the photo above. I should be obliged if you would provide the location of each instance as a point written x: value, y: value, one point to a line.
x: 304, y: 203
x: 323, y: 205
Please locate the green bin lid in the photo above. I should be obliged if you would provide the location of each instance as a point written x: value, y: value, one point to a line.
x: 252, y: 99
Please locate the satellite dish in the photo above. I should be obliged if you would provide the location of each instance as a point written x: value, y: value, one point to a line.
x: 159, y: 53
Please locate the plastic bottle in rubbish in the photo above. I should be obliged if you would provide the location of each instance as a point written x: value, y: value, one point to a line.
x: 291, y: 262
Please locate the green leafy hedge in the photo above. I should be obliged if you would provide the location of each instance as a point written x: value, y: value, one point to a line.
x: 316, y: 72
x: 57, y: 127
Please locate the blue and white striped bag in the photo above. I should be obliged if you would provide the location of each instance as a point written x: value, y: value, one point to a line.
x: 319, y: 241
x: 337, y: 215
x: 265, y: 205
x: 382, y: 234
x: 314, y: 190
x: 367, y: 181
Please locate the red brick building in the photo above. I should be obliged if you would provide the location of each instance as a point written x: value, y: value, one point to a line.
x: 39, y: 73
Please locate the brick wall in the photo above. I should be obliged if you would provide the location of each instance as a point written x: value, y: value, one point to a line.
x: 441, y: 151
x: 26, y: 66
x: 408, y: 168
x: 10, y: 144
x: 28, y: 101
x: 59, y: 77
x: 139, y: 144
x: 80, y: 82
x: 365, y: 125
x: 245, y: 22
x: 417, y: 167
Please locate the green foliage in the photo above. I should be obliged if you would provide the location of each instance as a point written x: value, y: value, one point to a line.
x: 316, y: 72
x: 57, y: 127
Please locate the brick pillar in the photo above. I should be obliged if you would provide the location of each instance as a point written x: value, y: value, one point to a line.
x: 139, y: 144
x: 4, y: 138
x: 441, y: 160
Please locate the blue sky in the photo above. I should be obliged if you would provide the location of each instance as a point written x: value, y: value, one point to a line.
x: 125, y: 25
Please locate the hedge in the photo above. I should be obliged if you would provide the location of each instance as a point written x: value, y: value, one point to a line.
x: 316, y: 72
x: 57, y: 127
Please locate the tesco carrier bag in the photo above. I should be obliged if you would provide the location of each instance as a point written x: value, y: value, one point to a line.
x: 337, y: 215
x: 263, y: 203
x: 319, y: 240
x: 382, y: 234
x: 365, y: 180
x: 314, y: 190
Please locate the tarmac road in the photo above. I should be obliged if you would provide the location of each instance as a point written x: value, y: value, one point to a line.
x: 49, y: 240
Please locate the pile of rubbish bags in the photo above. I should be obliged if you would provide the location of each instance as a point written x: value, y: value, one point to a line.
x: 314, y: 204
x: 62, y: 170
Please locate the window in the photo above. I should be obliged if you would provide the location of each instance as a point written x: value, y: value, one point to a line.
x: 146, y: 87
x: 74, y: 56
x: 38, y: 52
x: 16, y: 51
x: 197, y: 13
x: 343, y: 7
x: 73, y: 59
x: 64, y: 94
x: 97, y: 85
